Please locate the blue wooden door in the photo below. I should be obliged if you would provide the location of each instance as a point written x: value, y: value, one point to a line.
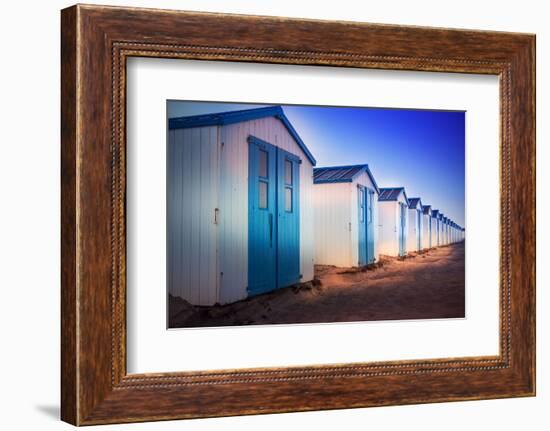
x: 370, y: 225
x: 262, y: 214
x: 288, y: 222
x: 273, y: 218
x: 288, y: 229
x: 362, y: 225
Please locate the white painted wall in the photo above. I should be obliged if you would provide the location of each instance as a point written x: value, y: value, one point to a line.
x: 426, y: 230
x: 209, y: 262
x: 192, y: 196
x: 388, y: 219
x: 435, y: 232
x: 332, y: 221
x: 413, y: 233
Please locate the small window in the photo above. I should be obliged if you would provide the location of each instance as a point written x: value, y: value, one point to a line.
x: 288, y: 172
x: 288, y: 199
x: 263, y: 164
x: 263, y: 195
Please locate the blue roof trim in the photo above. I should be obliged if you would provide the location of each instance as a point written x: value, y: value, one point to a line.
x: 232, y: 117
x: 361, y: 169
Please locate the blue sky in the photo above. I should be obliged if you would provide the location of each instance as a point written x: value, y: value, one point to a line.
x: 421, y: 150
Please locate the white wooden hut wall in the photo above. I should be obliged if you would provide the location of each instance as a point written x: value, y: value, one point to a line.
x: 332, y: 221
x: 218, y: 178
x: 414, y: 234
x: 192, y: 185
x: 426, y: 230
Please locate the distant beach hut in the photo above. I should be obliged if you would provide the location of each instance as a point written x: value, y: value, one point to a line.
x: 453, y: 231
x: 426, y: 226
x: 392, y: 212
x: 441, y: 229
x: 445, y: 230
x: 240, y: 207
x: 414, y: 234
x: 435, y: 228
x: 457, y: 232
x: 345, y: 200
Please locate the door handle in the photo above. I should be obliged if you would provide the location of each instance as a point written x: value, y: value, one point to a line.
x: 270, y: 229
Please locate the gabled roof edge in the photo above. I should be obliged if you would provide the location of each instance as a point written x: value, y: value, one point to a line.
x: 232, y: 117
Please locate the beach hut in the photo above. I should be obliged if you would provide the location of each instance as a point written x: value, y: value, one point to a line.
x: 345, y: 201
x: 393, y: 221
x: 445, y: 230
x: 239, y: 205
x: 435, y: 228
x: 414, y: 234
x: 426, y: 226
x: 441, y: 218
x: 453, y: 232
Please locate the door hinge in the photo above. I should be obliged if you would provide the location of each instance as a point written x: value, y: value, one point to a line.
x: 216, y: 215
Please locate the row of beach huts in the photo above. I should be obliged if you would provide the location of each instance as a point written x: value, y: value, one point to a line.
x: 248, y: 212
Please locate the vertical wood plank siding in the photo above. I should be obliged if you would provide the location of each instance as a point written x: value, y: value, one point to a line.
x: 412, y: 232
x: 192, y: 191
x: 426, y: 231
x: 335, y: 204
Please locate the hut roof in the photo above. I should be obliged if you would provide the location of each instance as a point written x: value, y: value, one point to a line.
x: 391, y: 194
x: 414, y: 202
x: 341, y: 174
x: 231, y: 117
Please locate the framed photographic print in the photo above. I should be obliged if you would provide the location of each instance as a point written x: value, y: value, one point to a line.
x: 252, y: 205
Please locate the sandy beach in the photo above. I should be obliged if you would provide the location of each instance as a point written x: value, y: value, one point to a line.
x: 424, y: 285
